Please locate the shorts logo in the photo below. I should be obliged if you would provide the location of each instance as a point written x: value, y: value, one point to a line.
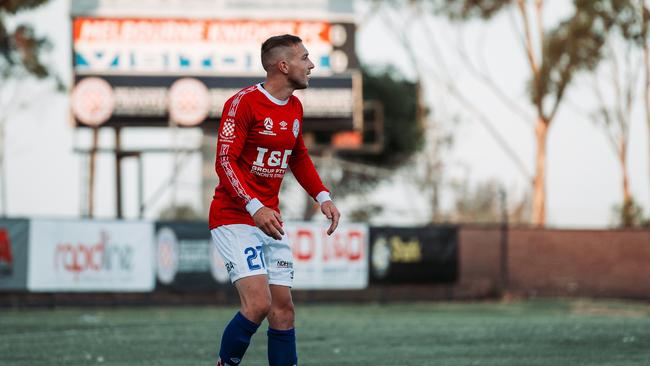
x: 284, y: 264
x: 268, y: 127
x: 228, y: 129
x: 296, y: 127
x: 230, y: 266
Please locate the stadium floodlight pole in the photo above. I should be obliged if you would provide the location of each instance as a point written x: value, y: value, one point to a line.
x: 504, y: 241
x: 118, y: 173
x: 91, y: 173
x: 3, y: 176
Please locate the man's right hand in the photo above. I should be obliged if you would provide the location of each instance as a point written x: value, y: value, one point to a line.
x: 270, y: 222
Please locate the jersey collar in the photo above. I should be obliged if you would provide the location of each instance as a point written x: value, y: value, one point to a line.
x: 271, y: 98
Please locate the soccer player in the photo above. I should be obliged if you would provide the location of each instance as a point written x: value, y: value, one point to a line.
x: 260, y: 136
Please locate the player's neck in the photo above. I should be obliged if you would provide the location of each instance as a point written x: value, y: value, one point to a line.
x: 278, y: 88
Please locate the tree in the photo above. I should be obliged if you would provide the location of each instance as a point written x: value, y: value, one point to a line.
x: 622, y: 68
x: 436, y: 79
x: 180, y: 212
x: 21, y: 56
x: 555, y: 56
x: 486, y: 203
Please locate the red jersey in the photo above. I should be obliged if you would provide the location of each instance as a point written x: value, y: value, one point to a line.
x: 259, y: 138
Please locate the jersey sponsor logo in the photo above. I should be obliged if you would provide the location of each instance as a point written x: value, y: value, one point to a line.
x: 268, y: 127
x: 283, y: 125
x: 296, y: 127
x: 228, y: 130
x: 271, y: 164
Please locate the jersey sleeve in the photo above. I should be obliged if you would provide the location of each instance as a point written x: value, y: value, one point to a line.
x: 236, y: 120
x: 303, y: 168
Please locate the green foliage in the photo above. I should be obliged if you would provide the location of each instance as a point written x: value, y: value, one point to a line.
x: 15, y: 6
x: 20, y: 49
x: 478, y: 204
x: 403, y: 134
x: 574, y: 45
x: 468, y: 9
x: 182, y: 212
x: 629, y: 214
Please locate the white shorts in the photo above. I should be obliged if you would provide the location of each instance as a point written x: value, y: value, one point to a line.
x: 247, y: 251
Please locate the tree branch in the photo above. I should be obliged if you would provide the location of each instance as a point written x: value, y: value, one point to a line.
x: 491, y: 84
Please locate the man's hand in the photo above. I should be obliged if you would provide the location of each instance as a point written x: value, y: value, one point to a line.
x: 270, y: 222
x: 332, y: 213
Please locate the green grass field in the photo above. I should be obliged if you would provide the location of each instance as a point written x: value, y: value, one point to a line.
x: 541, y: 332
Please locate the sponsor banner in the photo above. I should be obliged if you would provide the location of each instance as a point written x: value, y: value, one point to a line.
x: 84, y: 255
x: 339, y: 261
x: 191, y: 101
x: 14, y: 239
x: 187, y: 260
x: 414, y: 255
x: 219, y: 47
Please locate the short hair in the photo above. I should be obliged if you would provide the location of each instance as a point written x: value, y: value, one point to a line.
x: 268, y: 47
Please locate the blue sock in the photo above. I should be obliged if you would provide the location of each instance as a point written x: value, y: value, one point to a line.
x: 282, y: 347
x: 236, y: 338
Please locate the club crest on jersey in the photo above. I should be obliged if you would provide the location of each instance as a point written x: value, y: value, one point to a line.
x: 283, y: 125
x: 228, y: 130
x: 296, y: 127
x: 268, y: 127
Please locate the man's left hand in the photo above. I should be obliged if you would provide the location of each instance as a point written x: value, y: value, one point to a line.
x: 332, y: 213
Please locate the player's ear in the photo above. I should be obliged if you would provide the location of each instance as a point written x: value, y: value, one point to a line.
x: 283, y: 66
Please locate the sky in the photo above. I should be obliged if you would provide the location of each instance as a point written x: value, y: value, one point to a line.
x: 45, y: 177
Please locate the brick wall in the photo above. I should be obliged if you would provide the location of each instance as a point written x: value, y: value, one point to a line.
x: 613, y: 263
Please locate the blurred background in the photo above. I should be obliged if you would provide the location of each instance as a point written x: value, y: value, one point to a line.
x: 420, y: 112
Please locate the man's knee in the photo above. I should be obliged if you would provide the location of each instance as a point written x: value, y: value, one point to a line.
x: 257, y: 309
x: 282, y: 315
x: 255, y: 298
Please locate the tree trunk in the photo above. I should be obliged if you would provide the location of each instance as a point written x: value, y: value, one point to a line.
x: 628, y: 209
x: 646, y: 89
x: 91, y: 173
x: 539, y: 182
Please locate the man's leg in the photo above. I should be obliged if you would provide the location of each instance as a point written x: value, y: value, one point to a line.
x: 255, y: 305
x: 281, y: 333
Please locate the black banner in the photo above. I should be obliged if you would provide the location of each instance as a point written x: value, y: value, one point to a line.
x: 14, y: 239
x: 414, y: 255
x: 186, y: 259
x: 146, y: 101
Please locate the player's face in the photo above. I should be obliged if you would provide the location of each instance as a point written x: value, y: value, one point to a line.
x: 300, y: 67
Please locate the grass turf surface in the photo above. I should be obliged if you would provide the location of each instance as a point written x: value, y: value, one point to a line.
x: 541, y: 332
